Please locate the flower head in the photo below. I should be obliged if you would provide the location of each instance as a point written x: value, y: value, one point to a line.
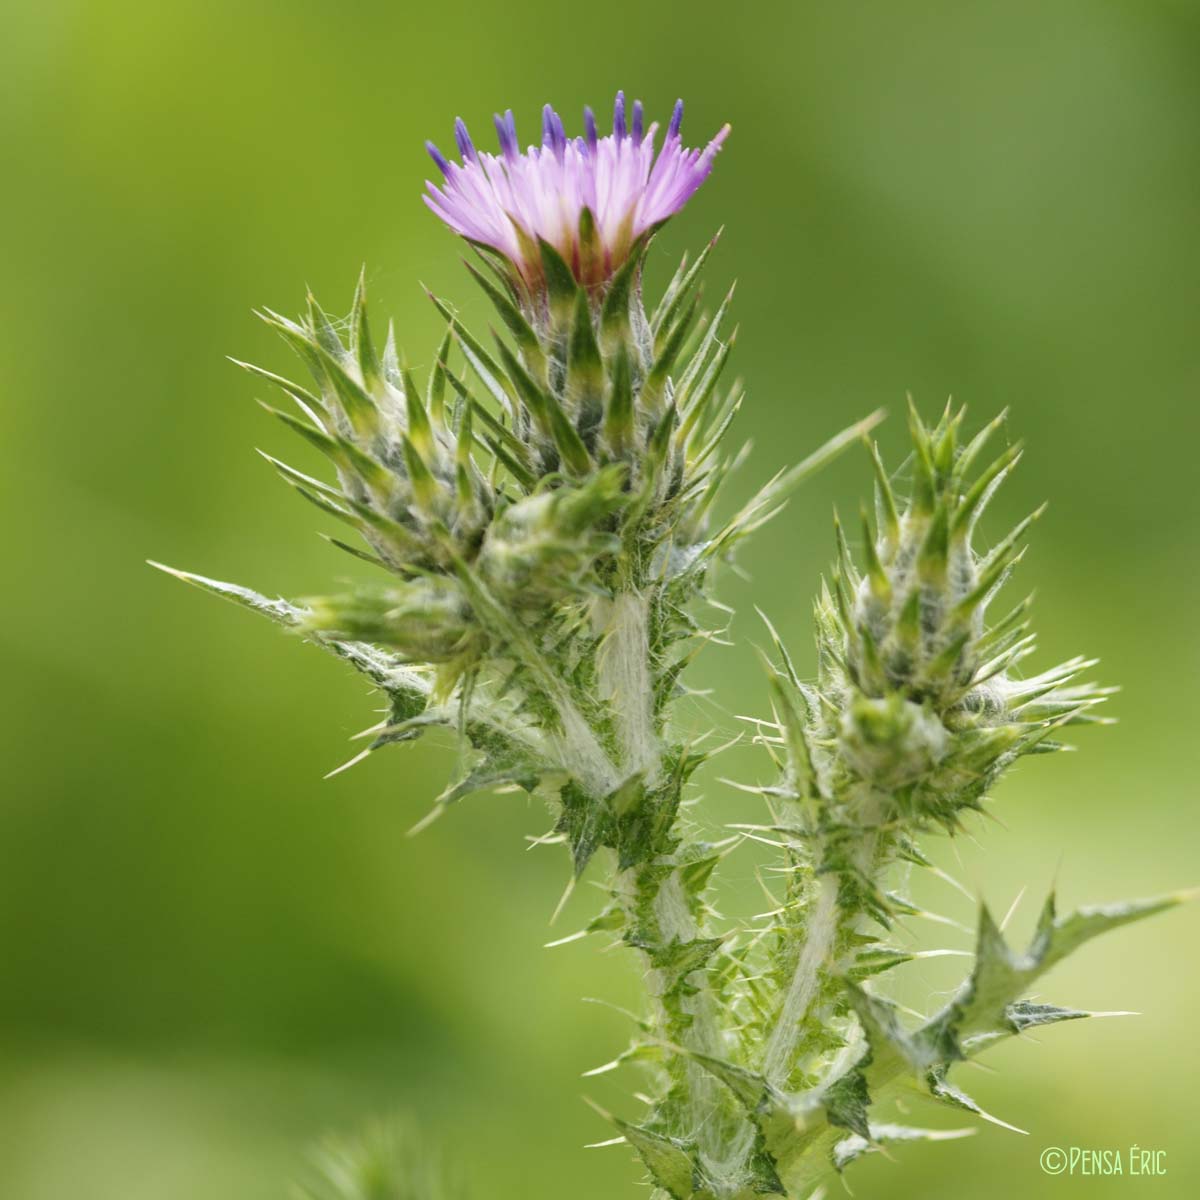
x: 589, y: 197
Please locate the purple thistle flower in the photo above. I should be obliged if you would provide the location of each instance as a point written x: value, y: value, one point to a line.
x: 511, y: 200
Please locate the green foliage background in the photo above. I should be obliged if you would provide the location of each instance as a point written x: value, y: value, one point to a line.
x: 210, y: 956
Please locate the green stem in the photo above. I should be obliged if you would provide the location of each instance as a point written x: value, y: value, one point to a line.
x: 811, y: 964
x: 822, y: 954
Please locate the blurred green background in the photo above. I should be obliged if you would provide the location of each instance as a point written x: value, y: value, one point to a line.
x: 210, y: 956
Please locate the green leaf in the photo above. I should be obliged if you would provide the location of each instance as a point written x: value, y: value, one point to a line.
x: 522, y: 332
x: 354, y: 401
x: 982, y: 489
x: 436, y: 393
x: 560, y: 283
x: 591, y: 251
x: 614, y: 314
x: 549, y: 415
x: 585, y: 371
x: 1027, y: 1015
x: 325, y: 335
x: 279, y: 610
x: 343, y: 453
x: 656, y: 380
x: 851, y: 1148
x: 424, y: 485
x: 418, y: 426
x: 618, y: 415
x: 751, y: 1089
x: 1000, y: 977
x: 948, y: 1093
x: 678, y: 288
x: 480, y: 361
x: 309, y: 403
x: 361, y: 345
x: 669, y: 1161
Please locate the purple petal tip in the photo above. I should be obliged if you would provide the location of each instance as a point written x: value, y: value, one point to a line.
x: 506, y: 133
x: 676, y: 120
x: 554, y: 136
x: 438, y: 157
x: 466, y: 148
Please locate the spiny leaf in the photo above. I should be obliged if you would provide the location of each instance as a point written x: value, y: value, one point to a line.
x: 700, y: 356
x: 309, y: 403
x: 355, y: 403
x: 481, y: 362
x: 344, y: 453
x: 435, y: 396
x: 975, y: 499
x: 361, y: 345
x: 425, y: 487
x: 418, y: 426
x: 924, y: 482
x: 669, y: 1161
x: 548, y: 413
x: 881, y: 587
x: 696, y: 398
x: 890, y: 517
x: 677, y: 289
x: 517, y: 325
x: 883, y: 1133
x: 656, y: 380
x: 614, y: 313
x: 942, y: 1089
x: 324, y: 332
x: 278, y: 610
x: 966, y: 460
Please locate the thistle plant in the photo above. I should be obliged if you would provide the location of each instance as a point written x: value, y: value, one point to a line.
x: 543, y: 512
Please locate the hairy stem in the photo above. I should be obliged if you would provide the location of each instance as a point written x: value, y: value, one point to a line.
x: 626, y: 681
x: 812, y: 961
x: 818, y: 959
x: 703, y: 1034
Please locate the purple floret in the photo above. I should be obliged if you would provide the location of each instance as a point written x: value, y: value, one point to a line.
x: 511, y: 200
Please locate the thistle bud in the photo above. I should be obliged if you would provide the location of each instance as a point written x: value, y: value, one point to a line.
x: 891, y: 742
x: 544, y: 548
x: 918, y: 610
x: 426, y: 620
x: 405, y: 477
x: 929, y: 710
